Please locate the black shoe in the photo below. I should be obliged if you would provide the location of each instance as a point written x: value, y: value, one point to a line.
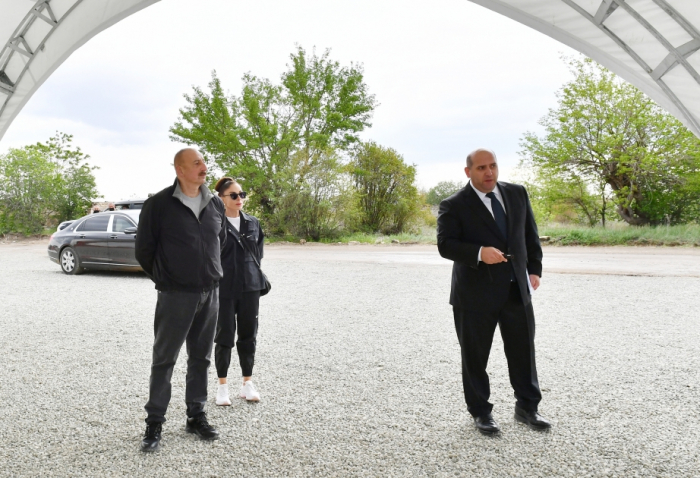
x: 532, y: 419
x: 151, y: 439
x: 486, y: 424
x: 200, y: 426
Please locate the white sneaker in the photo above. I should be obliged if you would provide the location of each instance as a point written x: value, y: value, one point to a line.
x: 222, y: 395
x: 249, y: 393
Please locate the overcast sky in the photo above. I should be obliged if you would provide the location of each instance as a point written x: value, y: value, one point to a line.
x: 449, y: 75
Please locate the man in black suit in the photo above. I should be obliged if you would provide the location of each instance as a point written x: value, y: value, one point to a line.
x: 489, y: 231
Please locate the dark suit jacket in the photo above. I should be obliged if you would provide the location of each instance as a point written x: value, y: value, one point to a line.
x: 465, y: 225
x: 241, y: 273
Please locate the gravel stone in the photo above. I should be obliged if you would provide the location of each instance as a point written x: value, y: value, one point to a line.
x: 359, y: 371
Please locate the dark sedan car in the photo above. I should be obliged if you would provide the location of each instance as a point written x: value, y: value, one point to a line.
x: 99, y: 241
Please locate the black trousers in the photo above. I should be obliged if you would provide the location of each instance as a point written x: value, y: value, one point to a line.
x: 237, y: 314
x: 475, y: 332
x: 182, y: 317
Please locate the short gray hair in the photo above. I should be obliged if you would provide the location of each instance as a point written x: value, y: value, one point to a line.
x: 479, y: 150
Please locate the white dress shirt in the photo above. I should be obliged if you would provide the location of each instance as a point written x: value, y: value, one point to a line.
x: 487, y: 202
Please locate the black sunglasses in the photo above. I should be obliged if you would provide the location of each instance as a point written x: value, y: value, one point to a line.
x: 242, y: 194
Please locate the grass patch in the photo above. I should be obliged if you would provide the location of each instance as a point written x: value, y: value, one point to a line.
x: 615, y: 234
x: 622, y: 235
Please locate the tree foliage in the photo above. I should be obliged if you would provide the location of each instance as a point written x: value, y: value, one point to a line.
x: 388, y: 199
x: 443, y: 190
x: 45, y: 182
x: 295, y: 147
x: 27, y: 181
x: 608, y: 144
x: 317, y: 199
x: 565, y: 200
x: 319, y: 105
x: 76, y: 187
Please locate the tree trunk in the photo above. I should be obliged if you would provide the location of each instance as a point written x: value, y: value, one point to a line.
x: 631, y: 217
x: 603, y: 209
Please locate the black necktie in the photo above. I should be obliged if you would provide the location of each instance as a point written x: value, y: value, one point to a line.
x: 498, y: 214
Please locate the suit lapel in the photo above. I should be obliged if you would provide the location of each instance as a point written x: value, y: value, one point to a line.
x: 505, y: 194
x: 480, y: 208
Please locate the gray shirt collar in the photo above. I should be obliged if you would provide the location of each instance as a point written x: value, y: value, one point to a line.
x: 203, y: 190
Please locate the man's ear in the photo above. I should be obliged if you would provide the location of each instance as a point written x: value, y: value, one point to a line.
x: 466, y: 171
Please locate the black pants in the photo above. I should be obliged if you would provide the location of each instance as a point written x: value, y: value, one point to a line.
x: 475, y: 332
x: 182, y: 317
x: 243, y: 313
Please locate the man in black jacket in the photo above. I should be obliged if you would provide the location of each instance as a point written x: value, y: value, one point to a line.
x: 178, y: 244
x: 489, y: 231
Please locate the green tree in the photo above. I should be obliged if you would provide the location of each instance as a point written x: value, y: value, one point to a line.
x: 319, y: 105
x: 443, y: 190
x: 27, y: 182
x: 42, y: 183
x: 317, y: 201
x: 608, y: 140
x: 389, y: 201
x: 565, y: 198
x: 75, y: 187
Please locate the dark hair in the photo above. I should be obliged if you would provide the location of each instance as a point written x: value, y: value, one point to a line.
x: 223, y: 184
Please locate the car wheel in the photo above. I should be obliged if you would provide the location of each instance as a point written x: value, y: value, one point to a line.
x: 70, y: 262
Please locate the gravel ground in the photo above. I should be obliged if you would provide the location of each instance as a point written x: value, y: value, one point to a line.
x: 365, y: 381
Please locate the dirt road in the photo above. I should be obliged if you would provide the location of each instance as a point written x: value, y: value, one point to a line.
x: 634, y: 261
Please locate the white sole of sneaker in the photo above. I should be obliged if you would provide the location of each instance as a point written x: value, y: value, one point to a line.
x: 250, y: 399
x: 224, y: 404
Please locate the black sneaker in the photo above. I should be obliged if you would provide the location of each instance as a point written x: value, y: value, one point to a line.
x: 151, y: 439
x: 200, y: 426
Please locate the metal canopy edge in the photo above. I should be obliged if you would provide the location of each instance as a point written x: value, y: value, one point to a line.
x: 44, y: 38
x: 47, y: 32
x: 679, y: 97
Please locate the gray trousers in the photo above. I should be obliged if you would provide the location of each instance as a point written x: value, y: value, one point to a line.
x: 182, y: 317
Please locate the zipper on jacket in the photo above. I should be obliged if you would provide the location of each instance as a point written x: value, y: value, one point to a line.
x: 204, y: 262
x: 202, y: 272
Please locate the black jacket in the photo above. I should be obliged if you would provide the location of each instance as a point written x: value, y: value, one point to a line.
x: 178, y: 250
x: 241, y: 274
x: 465, y: 225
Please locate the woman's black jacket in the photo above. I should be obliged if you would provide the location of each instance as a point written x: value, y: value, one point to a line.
x: 241, y: 274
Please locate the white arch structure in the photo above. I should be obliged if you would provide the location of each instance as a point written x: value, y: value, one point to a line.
x: 653, y: 44
x: 37, y: 36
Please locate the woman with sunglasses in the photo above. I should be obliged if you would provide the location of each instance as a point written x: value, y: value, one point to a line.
x: 239, y: 292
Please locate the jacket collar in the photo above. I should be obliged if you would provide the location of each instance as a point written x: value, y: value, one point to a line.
x: 478, y: 205
x: 504, y: 189
x: 207, y: 195
x: 244, y: 223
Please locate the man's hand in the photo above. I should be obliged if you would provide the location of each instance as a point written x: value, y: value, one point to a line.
x: 534, y: 281
x: 491, y: 255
